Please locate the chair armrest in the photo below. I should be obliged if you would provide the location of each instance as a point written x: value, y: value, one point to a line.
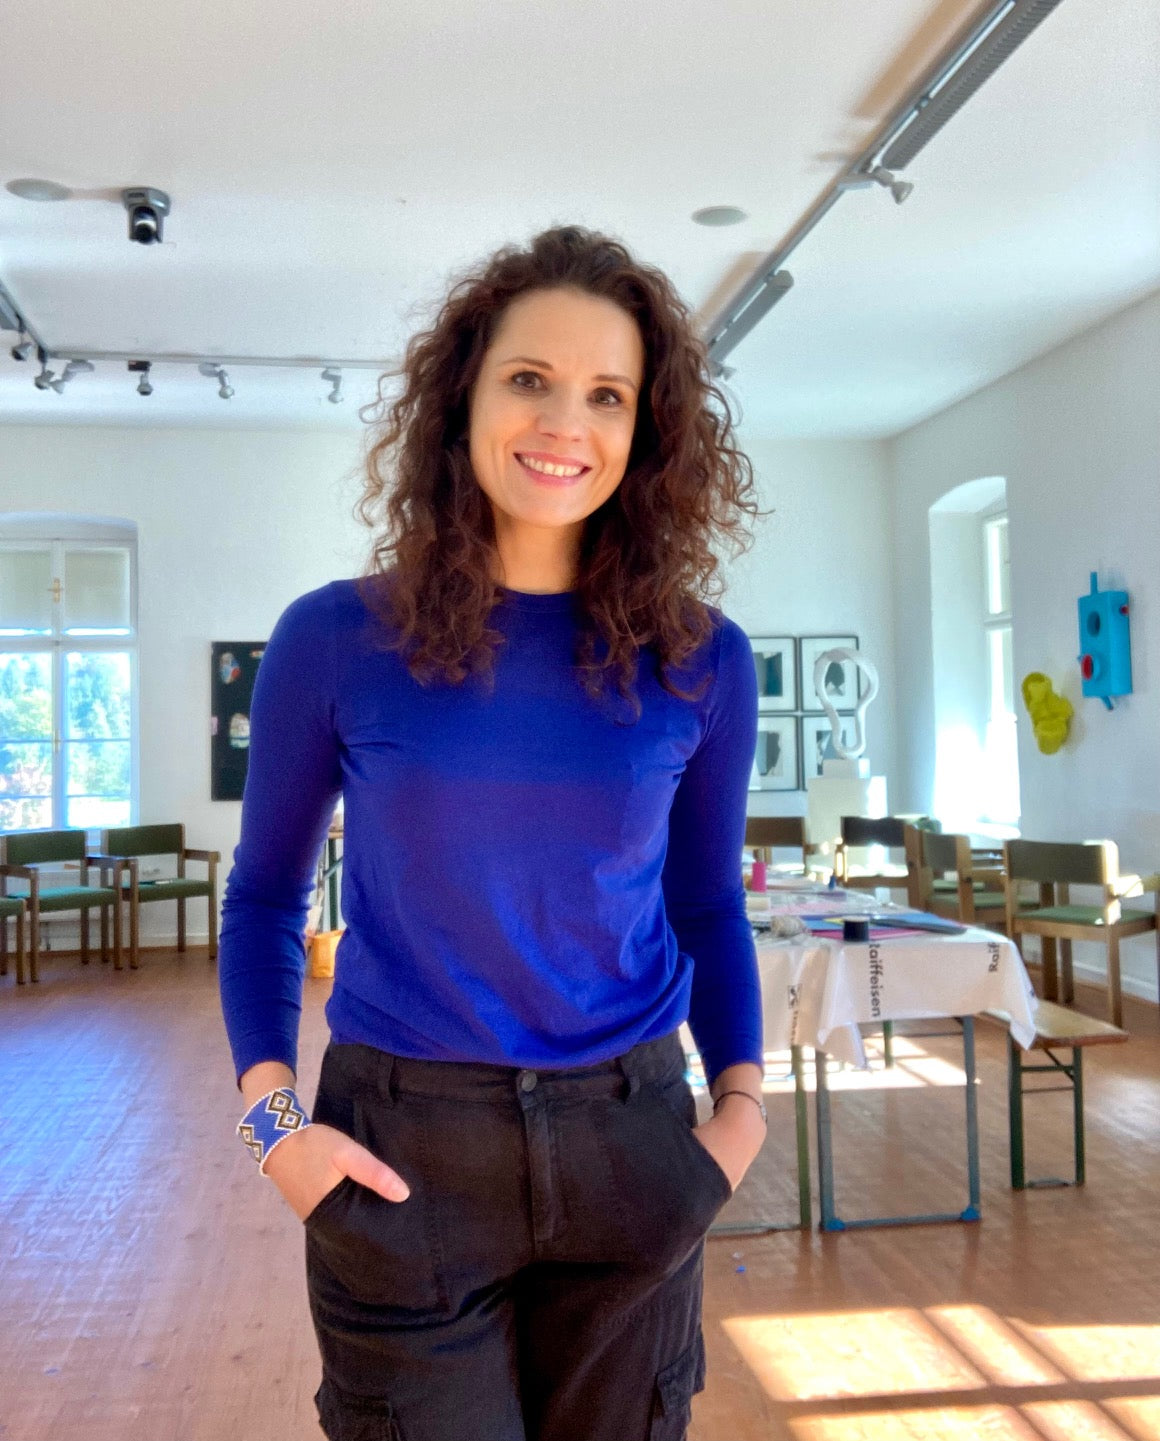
x: 103, y: 863
x: 23, y: 873
x: 212, y: 856
x: 26, y: 873
x: 1128, y: 885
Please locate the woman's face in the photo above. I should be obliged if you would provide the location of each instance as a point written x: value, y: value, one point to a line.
x: 559, y: 386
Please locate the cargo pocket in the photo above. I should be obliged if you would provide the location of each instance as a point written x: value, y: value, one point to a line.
x: 676, y: 1386
x: 344, y: 1417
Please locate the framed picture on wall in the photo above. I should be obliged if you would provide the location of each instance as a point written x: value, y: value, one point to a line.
x: 817, y: 743
x: 234, y: 668
x: 841, y: 678
x: 777, y: 681
x: 775, y: 762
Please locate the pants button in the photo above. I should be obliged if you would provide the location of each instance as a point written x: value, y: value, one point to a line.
x: 528, y: 1080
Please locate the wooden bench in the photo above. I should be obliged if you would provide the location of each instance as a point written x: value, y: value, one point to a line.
x: 1056, y: 1028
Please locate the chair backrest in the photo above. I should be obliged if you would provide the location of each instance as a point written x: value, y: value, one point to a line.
x: 167, y: 840
x: 942, y: 854
x: 783, y: 831
x: 31, y: 848
x: 1087, y: 863
x: 886, y: 831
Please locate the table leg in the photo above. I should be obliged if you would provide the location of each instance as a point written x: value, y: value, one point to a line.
x: 974, y: 1196
x: 805, y: 1211
x: 829, y: 1222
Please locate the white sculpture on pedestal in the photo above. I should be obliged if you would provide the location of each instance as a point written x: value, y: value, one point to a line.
x: 845, y: 786
x: 842, y: 655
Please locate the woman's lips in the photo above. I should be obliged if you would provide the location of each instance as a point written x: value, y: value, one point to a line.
x: 554, y: 480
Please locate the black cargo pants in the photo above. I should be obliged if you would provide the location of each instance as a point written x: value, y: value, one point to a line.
x: 542, y: 1282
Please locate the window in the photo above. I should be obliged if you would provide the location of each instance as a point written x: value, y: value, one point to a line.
x: 68, y: 667
x: 1000, y: 796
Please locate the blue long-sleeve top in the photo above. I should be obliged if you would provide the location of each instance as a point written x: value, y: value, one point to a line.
x: 527, y: 879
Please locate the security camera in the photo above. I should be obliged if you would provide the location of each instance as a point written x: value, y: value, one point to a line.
x: 147, y: 209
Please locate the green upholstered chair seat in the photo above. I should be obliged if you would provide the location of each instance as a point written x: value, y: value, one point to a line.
x: 1080, y: 915
x: 72, y: 898
x: 10, y: 905
x: 171, y: 888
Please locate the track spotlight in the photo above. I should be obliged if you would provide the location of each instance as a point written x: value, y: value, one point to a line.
x: 333, y: 378
x: 722, y: 372
x: 142, y: 368
x: 859, y: 179
x: 23, y: 350
x: 74, y: 367
x: 216, y: 372
x: 43, y: 381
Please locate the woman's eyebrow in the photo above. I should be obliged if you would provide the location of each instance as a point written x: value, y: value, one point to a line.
x: 545, y: 365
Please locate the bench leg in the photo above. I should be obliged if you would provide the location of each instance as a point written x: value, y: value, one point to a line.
x: 1015, y: 1112
x: 1077, y: 1098
x: 181, y: 924
x: 888, y: 1044
x: 1067, y: 976
x: 1115, y: 998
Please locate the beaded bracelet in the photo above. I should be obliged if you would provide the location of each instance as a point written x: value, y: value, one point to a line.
x: 759, y: 1104
x: 269, y: 1120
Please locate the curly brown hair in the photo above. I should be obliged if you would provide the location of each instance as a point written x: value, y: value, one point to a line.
x: 646, y: 567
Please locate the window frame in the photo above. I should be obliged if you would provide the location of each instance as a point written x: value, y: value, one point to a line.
x: 77, y: 536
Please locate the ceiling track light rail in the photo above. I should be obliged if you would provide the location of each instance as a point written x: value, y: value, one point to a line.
x: 954, y: 77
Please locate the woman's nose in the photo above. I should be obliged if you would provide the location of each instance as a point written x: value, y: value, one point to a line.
x: 562, y: 415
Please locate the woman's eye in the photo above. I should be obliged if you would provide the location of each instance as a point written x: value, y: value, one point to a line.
x: 522, y: 375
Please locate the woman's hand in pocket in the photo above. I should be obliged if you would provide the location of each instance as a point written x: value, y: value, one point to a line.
x: 733, y: 1137
x: 308, y: 1165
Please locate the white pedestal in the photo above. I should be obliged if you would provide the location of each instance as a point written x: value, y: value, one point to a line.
x: 830, y: 797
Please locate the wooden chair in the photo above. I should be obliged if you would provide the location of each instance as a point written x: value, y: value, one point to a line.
x: 22, y: 852
x: 765, y: 834
x: 963, y: 894
x: 129, y: 844
x: 886, y: 831
x: 1055, y: 868
x: 13, y: 907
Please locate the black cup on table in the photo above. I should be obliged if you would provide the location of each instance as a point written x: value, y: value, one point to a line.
x: 855, y: 928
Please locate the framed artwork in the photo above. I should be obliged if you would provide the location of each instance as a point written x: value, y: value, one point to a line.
x: 777, y: 680
x: 818, y: 741
x: 775, y: 762
x: 234, y: 669
x: 841, y: 678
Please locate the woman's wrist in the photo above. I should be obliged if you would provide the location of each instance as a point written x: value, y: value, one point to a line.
x: 263, y: 1078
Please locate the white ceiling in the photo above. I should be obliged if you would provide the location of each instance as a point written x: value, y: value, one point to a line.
x: 332, y: 166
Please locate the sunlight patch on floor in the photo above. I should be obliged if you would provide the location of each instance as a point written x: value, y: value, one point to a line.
x: 852, y: 1353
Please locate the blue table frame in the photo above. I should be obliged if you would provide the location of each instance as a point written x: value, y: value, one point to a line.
x: 830, y: 1221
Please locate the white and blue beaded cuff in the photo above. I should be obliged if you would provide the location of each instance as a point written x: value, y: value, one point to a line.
x: 271, y: 1119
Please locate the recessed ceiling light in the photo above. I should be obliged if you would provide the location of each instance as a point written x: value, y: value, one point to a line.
x: 720, y: 215
x: 38, y: 190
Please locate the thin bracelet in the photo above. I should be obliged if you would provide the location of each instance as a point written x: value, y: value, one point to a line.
x: 759, y: 1104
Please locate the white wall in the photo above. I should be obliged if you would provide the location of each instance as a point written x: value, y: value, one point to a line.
x: 235, y: 524
x: 1076, y: 433
x: 822, y: 564
x: 232, y: 525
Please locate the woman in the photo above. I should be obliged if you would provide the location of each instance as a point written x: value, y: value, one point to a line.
x: 543, y: 737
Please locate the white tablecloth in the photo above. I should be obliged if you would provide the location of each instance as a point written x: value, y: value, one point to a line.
x: 815, y: 992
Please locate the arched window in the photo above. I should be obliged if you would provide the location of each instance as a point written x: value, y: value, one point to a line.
x: 68, y: 671
x: 976, y: 757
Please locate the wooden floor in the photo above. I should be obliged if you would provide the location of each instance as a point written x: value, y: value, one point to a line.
x: 155, y: 1293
